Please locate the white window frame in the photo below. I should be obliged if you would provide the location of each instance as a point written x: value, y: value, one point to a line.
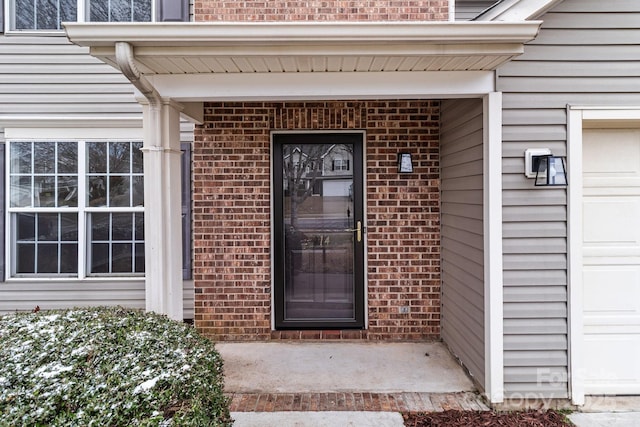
x: 83, y: 209
x: 9, y: 7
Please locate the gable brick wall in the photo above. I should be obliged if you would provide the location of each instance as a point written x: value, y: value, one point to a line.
x: 232, y: 216
x: 321, y: 10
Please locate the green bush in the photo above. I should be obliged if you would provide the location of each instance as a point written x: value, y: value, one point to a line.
x: 107, y: 367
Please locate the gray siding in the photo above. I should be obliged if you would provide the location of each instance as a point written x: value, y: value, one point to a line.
x: 462, y: 232
x: 587, y: 53
x: 48, y: 76
x: 23, y: 296
x: 468, y: 9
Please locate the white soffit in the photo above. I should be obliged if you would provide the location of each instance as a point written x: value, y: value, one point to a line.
x: 307, y: 47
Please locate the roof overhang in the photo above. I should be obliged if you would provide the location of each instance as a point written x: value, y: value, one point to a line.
x: 308, y: 47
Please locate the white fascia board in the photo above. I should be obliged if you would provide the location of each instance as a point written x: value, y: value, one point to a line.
x: 272, y: 34
x: 319, y: 86
x: 517, y: 10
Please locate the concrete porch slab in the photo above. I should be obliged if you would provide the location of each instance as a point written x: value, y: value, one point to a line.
x: 304, y: 367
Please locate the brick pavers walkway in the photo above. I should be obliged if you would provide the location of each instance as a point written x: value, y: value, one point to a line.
x: 379, y: 402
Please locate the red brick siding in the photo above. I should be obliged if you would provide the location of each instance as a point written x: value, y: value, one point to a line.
x: 232, y: 216
x: 321, y: 10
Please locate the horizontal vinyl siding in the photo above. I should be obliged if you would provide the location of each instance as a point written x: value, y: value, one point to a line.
x: 469, y: 9
x: 587, y: 54
x: 25, y: 296
x: 48, y: 76
x: 462, y: 233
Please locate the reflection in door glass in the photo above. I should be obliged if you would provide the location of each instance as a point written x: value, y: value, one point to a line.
x: 319, y: 238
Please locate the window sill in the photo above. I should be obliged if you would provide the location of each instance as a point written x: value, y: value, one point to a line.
x: 36, y: 33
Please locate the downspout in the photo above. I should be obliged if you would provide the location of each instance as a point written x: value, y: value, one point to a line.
x: 161, y: 149
x: 126, y: 63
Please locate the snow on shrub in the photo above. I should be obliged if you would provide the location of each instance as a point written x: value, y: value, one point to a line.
x: 107, y: 367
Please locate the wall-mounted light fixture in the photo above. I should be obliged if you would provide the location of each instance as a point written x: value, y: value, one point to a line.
x: 550, y: 171
x: 405, y: 163
x: 547, y: 169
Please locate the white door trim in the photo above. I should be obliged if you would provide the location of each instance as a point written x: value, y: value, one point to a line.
x: 578, y: 118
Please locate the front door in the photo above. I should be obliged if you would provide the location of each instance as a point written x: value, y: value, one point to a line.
x: 318, y: 230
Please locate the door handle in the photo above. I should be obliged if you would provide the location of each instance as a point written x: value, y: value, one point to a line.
x: 358, y: 230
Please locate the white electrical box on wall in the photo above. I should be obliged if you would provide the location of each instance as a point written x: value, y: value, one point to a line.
x: 529, y: 167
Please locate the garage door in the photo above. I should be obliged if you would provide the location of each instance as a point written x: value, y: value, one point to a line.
x: 611, y: 250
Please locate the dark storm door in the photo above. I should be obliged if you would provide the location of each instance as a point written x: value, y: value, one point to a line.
x: 318, y: 230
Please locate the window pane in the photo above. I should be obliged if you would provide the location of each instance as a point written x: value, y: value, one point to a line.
x: 137, y: 157
x: 122, y: 261
x: 45, y: 191
x: 20, y: 191
x: 47, y: 227
x: 139, y: 223
x: 44, y: 157
x: 69, y: 258
x: 69, y: 227
x: 139, y: 259
x: 138, y: 191
x: 120, y: 10
x: 25, y: 15
x: 26, y: 226
x: 20, y: 157
x: 119, y: 194
x: 47, y: 258
x: 97, y: 191
x: 100, y: 258
x: 47, y: 15
x: 97, y: 157
x: 119, y: 157
x: 100, y: 225
x: 25, y: 258
x: 68, y: 191
x: 98, y: 11
x: 67, y: 158
x: 142, y: 10
x: 69, y: 10
x: 122, y: 226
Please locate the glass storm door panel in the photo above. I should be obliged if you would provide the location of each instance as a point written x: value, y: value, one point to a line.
x: 318, y: 240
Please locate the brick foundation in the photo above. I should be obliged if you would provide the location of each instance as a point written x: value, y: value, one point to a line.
x: 321, y: 10
x: 232, y: 216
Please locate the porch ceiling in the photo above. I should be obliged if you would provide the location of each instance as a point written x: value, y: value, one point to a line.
x: 302, y: 47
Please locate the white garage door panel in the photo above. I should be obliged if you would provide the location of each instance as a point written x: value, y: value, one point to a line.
x: 611, y: 221
x: 607, y: 369
x: 612, y: 153
x: 603, y: 286
x: 611, y: 261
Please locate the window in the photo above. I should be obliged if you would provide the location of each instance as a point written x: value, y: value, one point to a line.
x: 118, y: 10
x: 340, y: 165
x: 28, y: 15
x: 76, y: 208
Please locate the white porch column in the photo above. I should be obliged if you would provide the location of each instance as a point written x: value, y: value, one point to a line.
x: 493, y: 272
x: 162, y: 214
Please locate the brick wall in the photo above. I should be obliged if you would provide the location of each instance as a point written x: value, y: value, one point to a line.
x: 321, y: 10
x: 232, y: 231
